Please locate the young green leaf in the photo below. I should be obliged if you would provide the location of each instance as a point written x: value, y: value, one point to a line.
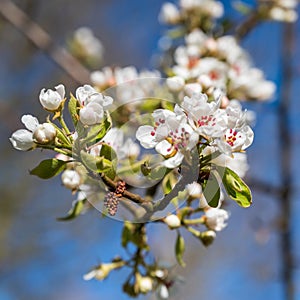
x: 97, y: 164
x: 235, y: 187
x: 48, y: 168
x: 74, y: 211
x: 179, y: 249
x: 211, y: 190
x: 73, y: 106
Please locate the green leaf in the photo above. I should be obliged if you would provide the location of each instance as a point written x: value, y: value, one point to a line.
x: 73, y: 106
x: 107, y: 152
x: 48, y: 168
x: 235, y: 187
x: 98, y: 131
x: 96, y: 164
x: 242, y: 7
x: 169, y: 182
x: 74, y: 211
x: 211, y: 191
x: 179, y: 249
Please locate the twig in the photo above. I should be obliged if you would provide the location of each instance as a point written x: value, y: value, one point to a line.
x: 285, y: 149
x: 41, y: 39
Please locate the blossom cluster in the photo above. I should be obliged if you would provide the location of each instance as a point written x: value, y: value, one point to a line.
x: 141, y: 148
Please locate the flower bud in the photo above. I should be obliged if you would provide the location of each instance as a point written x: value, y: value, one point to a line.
x: 144, y: 284
x: 91, y: 114
x: 192, y: 88
x: 50, y: 99
x: 208, y: 237
x: 44, y: 134
x: 103, y: 270
x: 175, y: 84
x: 172, y: 221
x: 169, y: 14
x: 71, y: 179
x: 215, y: 218
x: 162, y: 292
x: 22, y: 140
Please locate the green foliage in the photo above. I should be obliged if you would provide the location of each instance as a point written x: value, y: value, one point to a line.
x: 211, y: 190
x: 74, y: 211
x: 97, y: 164
x: 48, y: 168
x: 235, y: 187
x: 179, y: 249
x: 73, y: 107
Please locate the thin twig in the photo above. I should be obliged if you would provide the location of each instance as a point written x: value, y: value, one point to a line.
x: 285, y: 155
x: 42, y: 40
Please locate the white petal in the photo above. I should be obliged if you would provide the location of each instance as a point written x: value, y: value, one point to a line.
x: 61, y: 90
x: 164, y: 148
x: 22, y: 140
x: 30, y: 122
x: 174, y: 161
x: 144, y: 135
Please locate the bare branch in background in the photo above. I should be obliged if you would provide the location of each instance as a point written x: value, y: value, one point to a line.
x: 41, y: 39
x: 286, y: 145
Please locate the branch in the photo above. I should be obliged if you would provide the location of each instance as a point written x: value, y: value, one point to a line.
x: 285, y: 149
x: 41, y: 39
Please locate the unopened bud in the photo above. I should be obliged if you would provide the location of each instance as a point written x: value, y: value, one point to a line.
x: 172, y: 221
x: 50, y: 99
x: 71, y: 179
x: 44, y: 134
x: 207, y: 237
x: 145, y: 284
x: 175, y: 84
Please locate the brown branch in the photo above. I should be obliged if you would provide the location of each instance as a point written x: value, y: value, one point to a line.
x: 42, y: 40
x: 246, y: 27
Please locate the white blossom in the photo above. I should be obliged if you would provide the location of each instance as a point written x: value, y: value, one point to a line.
x: 44, y: 133
x: 215, y: 218
x: 91, y: 114
x: 162, y: 292
x: 172, y: 221
x: 89, y: 44
x: 175, y: 84
x: 169, y: 13
x: 171, y: 136
x: 51, y: 99
x: 71, y: 179
x: 22, y: 139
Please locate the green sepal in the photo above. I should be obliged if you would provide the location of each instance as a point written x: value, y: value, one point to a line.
x: 73, y: 107
x: 179, y: 249
x: 74, y: 211
x: 211, y: 190
x: 60, y: 135
x: 235, y: 187
x: 48, y: 168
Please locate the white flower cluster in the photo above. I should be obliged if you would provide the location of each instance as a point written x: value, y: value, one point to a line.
x: 280, y: 10
x: 175, y: 133
x: 35, y: 133
x: 130, y: 84
x: 86, y: 45
x: 220, y: 63
x: 171, y: 14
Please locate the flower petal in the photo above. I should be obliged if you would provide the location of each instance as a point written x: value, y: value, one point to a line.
x: 30, y: 122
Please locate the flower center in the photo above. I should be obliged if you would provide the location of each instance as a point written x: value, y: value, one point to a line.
x: 206, y: 120
x: 232, y: 137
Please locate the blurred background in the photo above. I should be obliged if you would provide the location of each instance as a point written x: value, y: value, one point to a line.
x: 255, y: 257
